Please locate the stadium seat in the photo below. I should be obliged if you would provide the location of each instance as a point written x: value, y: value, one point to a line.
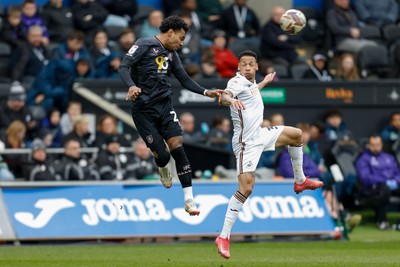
x: 391, y: 33
x: 297, y: 70
x: 5, y: 52
x: 345, y: 152
x: 281, y: 71
x: 371, y: 33
x: 374, y: 60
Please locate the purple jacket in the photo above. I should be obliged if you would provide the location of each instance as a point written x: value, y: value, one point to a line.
x: 34, y: 20
x: 374, y: 169
x: 285, y: 166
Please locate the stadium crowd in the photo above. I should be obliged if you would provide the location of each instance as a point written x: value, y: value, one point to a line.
x: 45, y: 48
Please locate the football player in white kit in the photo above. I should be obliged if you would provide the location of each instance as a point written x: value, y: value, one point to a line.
x: 250, y: 140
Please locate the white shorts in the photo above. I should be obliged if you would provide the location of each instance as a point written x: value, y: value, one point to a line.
x: 248, y: 154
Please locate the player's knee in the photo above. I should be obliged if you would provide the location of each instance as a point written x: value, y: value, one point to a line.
x: 161, y: 157
x: 297, y: 137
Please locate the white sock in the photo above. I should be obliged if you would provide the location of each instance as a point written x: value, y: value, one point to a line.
x: 188, y: 193
x: 234, y: 206
x: 296, y: 155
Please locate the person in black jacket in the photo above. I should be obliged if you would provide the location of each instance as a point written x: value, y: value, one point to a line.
x: 319, y: 69
x: 141, y: 165
x: 111, y: 163
x: 58, y: 19
x: 145, y: 70
x: 74, y: 167
x: 89, y: 16
x: 39, y: 168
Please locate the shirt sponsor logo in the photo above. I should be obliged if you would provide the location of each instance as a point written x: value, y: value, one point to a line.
x: 163, y: 64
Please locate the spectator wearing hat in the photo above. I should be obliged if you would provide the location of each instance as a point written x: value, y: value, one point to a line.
x: 225, y: 60
x: 319, y: 69
x: 13, y: 108
x: 73, y: 166
x: 142, y: 166
x: 39, y: 168
x: 112, y: 164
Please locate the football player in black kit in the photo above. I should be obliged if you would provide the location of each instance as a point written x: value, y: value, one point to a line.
x: 145, y: 70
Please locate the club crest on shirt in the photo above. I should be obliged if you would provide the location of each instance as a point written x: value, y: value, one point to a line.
x: 149, y: 139
x: 133, y: 49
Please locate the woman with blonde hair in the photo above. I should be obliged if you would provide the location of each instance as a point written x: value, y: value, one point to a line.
x: 15, y: 138
x: 347, y: 68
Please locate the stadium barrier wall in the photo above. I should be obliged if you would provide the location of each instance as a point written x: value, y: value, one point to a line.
x: 298, y: 101
x: 109, y: 210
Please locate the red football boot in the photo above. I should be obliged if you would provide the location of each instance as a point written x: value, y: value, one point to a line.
x: 308, y: 184
x: 223, y: 246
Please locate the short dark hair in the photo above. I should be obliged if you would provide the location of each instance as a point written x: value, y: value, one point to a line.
x: 76, y: 35
x: 248, y: 53
x: 175, y: 23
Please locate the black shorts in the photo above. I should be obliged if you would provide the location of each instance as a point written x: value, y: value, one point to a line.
x: 157, y: 122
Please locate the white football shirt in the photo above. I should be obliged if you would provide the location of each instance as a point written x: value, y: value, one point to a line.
x: 246, y: 123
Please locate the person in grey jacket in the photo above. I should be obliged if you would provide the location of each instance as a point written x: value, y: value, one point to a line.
x: 377, y: 13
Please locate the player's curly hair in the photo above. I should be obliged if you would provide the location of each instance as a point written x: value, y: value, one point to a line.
x: 248, y: 53
x: 175, y: 23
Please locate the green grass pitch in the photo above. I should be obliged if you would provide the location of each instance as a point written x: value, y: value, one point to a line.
x: 368, y: 247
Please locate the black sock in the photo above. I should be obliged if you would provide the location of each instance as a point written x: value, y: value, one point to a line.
x: 183, y: 167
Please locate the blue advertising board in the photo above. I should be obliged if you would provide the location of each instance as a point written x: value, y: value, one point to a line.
x: 118, y: 210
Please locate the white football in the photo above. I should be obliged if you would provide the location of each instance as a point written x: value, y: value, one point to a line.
x: 293, y: 21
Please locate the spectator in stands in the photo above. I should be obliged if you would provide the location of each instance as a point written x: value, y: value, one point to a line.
x: 391, y: 132
x: 30, y: 17
x: 208, y: 69
x: 51, y: 124
x: 275, y: 44
x: 142, y: 166
x: 277, y: 119
x: 52, y: 86
x: 27, y: 65
x: 151, y: 26
x: 13, y: 108
x: 189, y: 52
x: 202, y: 27
x: 83, y: 69
x: 74, y: 110
x: 379, y: 175
x: 241, y: 23
x: 225, y: 61
x: 112, y: 164
x: 106, y: 61
x: 210, y: 11
x: 187, y: 121
x: 121, y: 12
x: 335, y: 128
x: 15, y: 138
x: 344, y: 26
x: 80, y: 132
x: 39, y: 168
x: 58, y: 19
x: 219, y: 135
x: 73, y: 48
x: 266, y: 67
x: 395, y: 73
x: 89, y: 17
x: 125, y: 41
x: 347, y: 69
x: 5, y: 173
x: 72, y: 166
x: 377, y: 13
x: 107, y: 127
x: 319, y: 69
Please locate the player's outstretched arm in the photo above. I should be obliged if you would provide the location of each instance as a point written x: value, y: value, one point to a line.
x: 213, y: 93
x: 268, y: 78
x: 227, y: 100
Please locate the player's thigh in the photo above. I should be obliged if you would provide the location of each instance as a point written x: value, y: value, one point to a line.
x: 290, y: 136
x: 270, y: 137
x: 169, y: 124
x: 148, y: 129
x: 247, y: 157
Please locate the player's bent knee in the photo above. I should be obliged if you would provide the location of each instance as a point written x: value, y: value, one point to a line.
x: 161, y: 157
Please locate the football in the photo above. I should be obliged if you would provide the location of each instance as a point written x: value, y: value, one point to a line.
x: 293, y: 21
